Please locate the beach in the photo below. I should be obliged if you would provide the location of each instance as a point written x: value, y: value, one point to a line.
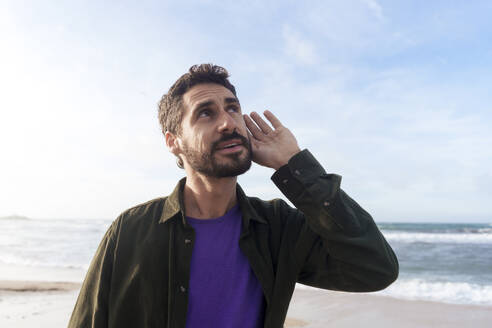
x: 49, y: 304
x: 316, y: 308
x: 444, y: 277
x: 36, y: 304
x: 37, y: 297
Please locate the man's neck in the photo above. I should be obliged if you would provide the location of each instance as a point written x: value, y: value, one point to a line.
x: 206, y: 198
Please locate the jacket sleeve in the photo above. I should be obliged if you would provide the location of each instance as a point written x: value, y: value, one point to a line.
x: 91, y: 308
x: 337, y: 244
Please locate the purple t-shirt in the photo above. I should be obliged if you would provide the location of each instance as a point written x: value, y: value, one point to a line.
x: 223, y: 290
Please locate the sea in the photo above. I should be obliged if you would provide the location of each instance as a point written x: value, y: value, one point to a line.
x: 441, y: 262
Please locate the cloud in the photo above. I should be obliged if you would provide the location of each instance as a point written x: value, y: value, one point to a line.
x: 375, y: 7
x: 395, y: 135
x: 358, y: 84
x: 301, y: 49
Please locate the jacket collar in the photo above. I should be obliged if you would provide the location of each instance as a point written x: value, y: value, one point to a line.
x: 174, y: 205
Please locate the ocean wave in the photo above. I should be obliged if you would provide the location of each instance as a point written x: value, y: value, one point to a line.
x: 463, y: 238
x: 42, y: 263
x: 444, y: 292
x: 51, y: 262
x: 468, y: 230
x: 439, y: 291
x: 478, y: 228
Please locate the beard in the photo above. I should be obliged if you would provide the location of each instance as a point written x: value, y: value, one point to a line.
x: 207, y: 164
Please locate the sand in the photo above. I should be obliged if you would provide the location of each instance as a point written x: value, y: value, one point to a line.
x: 36, y: 304
x: 49, y: 304
x: 316, y: 308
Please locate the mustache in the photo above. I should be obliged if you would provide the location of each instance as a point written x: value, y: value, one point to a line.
x: 233, y: 135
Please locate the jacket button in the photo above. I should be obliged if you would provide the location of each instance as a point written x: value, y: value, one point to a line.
x: 297, y: 172
x: 284, y: 181
x: 187, y: 241
x: 182, y: 289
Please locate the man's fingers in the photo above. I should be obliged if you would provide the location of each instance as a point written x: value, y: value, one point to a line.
x: 265, y: 128
x: 273, y: 119
x: 252, y: 140
x: 255, y: 131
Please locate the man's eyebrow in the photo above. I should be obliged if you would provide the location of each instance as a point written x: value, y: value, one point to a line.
x: 203, y: 104
x: 228, y: 100
x: 231, y: 100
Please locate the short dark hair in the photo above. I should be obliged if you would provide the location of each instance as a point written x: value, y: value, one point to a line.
x: 170, y: 112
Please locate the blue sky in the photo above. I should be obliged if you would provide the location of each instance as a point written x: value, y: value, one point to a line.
x: 392, y: 95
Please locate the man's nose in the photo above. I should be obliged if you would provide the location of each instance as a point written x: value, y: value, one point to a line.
x: 227, y: 123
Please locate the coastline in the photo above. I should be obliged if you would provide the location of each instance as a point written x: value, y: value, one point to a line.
x: 49, y: 304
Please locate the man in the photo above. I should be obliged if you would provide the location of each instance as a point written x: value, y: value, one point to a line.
x: 209, y: 256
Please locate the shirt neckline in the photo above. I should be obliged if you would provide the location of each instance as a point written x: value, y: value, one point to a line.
x: 214, y: 220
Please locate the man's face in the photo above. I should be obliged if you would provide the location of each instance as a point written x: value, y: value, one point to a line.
x: 214, y: 138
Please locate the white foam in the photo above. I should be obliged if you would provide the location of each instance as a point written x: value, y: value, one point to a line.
x: 462, y: 238
x: 37, y: 273
x: 42, y: 262
x: 445, y: 292
x: 50, y: 243
x: 448, y: 292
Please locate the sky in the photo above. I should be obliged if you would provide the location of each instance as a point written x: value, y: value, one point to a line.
x: 392, y: 95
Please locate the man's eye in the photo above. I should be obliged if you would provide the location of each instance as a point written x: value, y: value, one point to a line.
x: 204, y: 113
x: 233, y: 109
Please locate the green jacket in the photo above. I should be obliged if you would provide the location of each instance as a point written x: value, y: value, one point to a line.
x: 140, y: 272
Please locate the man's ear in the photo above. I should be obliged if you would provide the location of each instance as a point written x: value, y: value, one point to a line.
x: 172, y: 143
